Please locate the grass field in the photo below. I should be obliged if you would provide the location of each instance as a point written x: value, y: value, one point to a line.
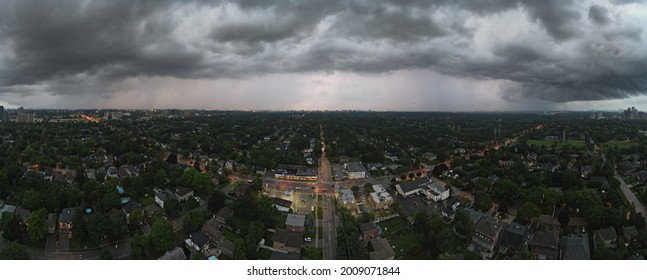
x: 393, y: 227
x: 619, y: 144
x: 549, y: 143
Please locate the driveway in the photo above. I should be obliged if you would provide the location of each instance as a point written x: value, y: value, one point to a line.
x: 63, y: 243
x: 51, y: 242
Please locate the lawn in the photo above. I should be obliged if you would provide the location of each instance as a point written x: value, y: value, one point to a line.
x: 549, y: 143
x: 230, y: 235
x: 393, y: 226
x: 403, y: 243
x: 279, y: 220
x: 145, y: 200
x: 619, y: 144
x: 312, y: 253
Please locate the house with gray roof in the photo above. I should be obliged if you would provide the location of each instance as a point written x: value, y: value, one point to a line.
x: 412, y: 187
x: 382, y: 250
x: 545, y: 244
x: 487, y: 233
x: 290, y: 241
x: 6, y: 208
x: 65, y: 221
x: 575, y: 247
x: 514, y: 238
x: 630, y: 233
x: 163, y: 196
x: 295, y: 222
x: 176, y: 253
x: 355, y: 170
x: 606, y: 237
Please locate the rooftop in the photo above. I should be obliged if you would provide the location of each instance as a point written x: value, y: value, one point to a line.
x: 293, y: 239
x: 295, y: 220
x: 412, y: 185
x: 176, y: 253
x: 382, y: 250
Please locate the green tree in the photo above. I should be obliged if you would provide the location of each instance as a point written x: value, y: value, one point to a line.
x: 118, y: 226
x: 98, y: 226
x: 463, y: 223
x: 528, y: 211
x: 172, y: 207
x: 136, y: 217
x: 37, y: 226
x: 482, y: 201
x: 216, y: 201
x: 161, y: 237
x: 193, y: 221
x: 14, y: 251
x: 10, y: 226
x: 139, y: 245
x: 239, y: 252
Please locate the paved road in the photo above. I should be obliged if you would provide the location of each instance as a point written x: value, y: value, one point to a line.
x: 329, y: 218
x: 119, y: 250
x: 640, y: 208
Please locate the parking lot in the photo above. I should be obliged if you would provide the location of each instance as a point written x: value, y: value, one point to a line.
x: 415, y: 203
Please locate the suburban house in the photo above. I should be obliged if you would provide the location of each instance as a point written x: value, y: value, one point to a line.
x: 606, y: 237
x: 52, y: 220
x: 163, y: 196
x: 295, y: 222
x: 285, y: 256
x: 290, y: 241
x: 369, y: 230
x: 575, y: 247
x: 227, y: 247
x: 22, y: 215
x: 241, y: 189
x: 355, y: 170
x: 544, y: 245
x: 630, y: 233
x: 222, y: 214
x: 65, y: 221
x: 281, y: 205
x: 197, y: 241
x: 130, y: 206
x: 448, y: 212
x: 346, y: 197
x: 514, y: 238
x: 475, y: 215
x: 6, y: 208
x: 487, y: 233
x: 382, y: 250
x: 380, y: 198
x: 152, y: 210
x: 175, y: 254
x: 183, y: 194
x: 211, y: 229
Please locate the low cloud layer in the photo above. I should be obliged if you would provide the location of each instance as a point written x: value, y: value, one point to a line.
x: 556, y: 51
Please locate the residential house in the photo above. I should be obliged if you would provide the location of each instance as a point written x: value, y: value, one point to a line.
x: 382, y: 250
x: 448, y: 212
x: 241, y: 189
x: 176, y: 253
x: 380, y: 198
x: 355, y: 170
x: 295, y: 222
x: 290, y: 241
x: 211, y: 229
x: 575, y: 247
x: 475, y: 215
x: 227, y: 247
x: 346, y: 197
x: 281, y: 205
x: 486, y: 236
x: 223, y: 213
x: 65, y: 221
x: 6, y: 208
x: 369, y: 230
x: 630, y: 233
x: 183, y: 194
x: 197, y: 241
x: 285, y: 256
x: 22, y: 215
x: 130, y: 206
x: 429, y: 156
x: 52, y: 220
x: 162, y: 197
x: 514, y: 238
x: 152, y: 210
x: 606, y: 237
x: 544, y: 245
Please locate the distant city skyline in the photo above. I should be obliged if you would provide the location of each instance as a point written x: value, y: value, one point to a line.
x: 505, y: 55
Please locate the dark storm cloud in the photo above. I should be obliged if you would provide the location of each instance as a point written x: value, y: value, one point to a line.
x: 76, y: 47
x: 599, y: 15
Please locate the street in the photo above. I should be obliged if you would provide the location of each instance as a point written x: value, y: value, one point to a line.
x: 640, y: 208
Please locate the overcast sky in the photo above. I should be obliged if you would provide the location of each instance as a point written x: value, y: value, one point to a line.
x: 472, y: 55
